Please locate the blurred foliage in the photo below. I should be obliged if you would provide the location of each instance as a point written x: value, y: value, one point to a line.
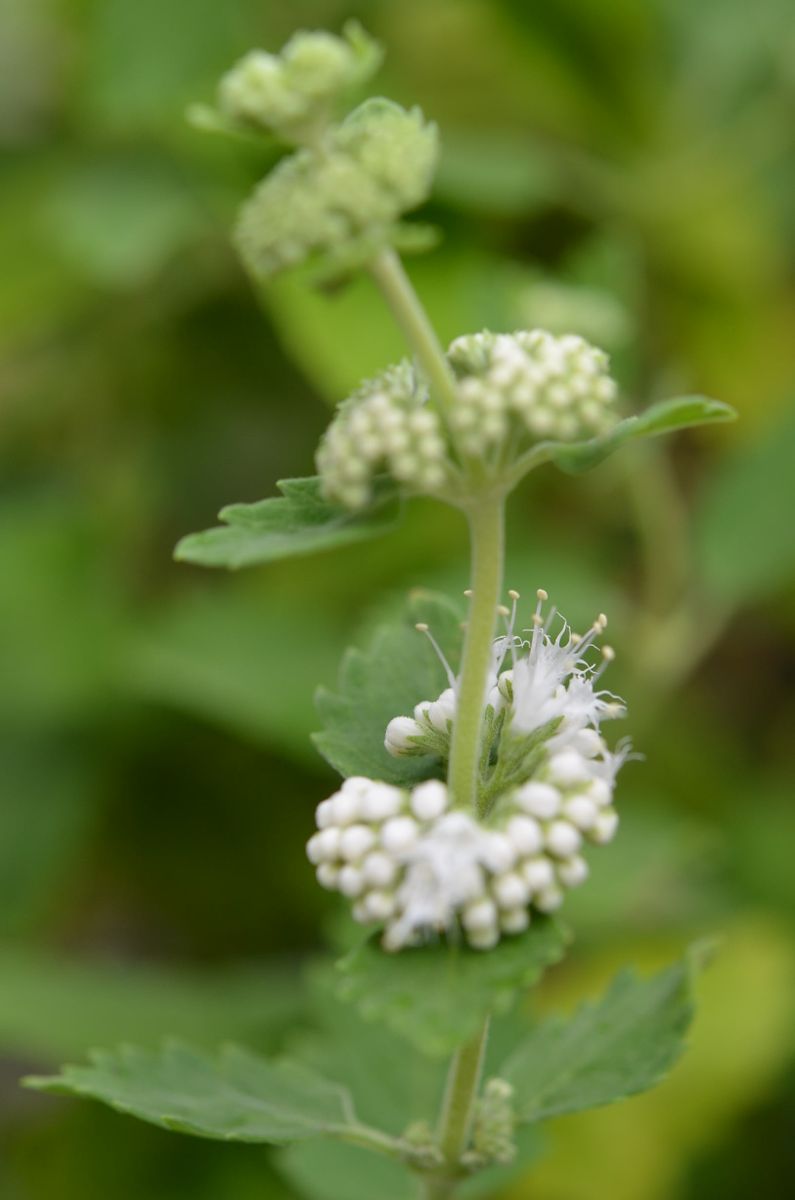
x: 625, y: 170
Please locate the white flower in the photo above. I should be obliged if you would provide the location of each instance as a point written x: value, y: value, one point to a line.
x: 420, y: 869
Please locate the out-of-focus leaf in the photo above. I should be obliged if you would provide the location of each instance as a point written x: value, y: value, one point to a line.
x: 236, y: 1097
x: 118, y: 220
x: 45, y: 811
x: 745, y: 531
x: 665, y: 417
x: 63, y: 616
x: 436, y: 996
x: 339, y: 1043
x: 739, y: 1050
x: 398, y: 671
x: 330, y: 1170
x: 185, y: 47
x: 52, y: 1007
x: 242, y: 658
x: 298, y: 522
x: 494, y: 173
x: 609, y: 1050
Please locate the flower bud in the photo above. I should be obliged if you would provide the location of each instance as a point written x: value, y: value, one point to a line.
x: 345, y: 199
x: 291, y: 93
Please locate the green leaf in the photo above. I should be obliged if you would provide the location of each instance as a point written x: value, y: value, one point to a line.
x: 745, y: 532
x: 325, y: 1170
x: 436, y: 996
x: 236, y: 1096
x: 609, y: 1050
x: 208, y: 651
x: 398, y: 671
x: 53, y: 1007
x: 665, y: 417
x: 298, y: 522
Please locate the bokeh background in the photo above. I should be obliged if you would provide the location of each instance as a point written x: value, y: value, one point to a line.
x: 621, y: 169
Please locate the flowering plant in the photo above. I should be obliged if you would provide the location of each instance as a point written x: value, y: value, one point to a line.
x: 475, y: 770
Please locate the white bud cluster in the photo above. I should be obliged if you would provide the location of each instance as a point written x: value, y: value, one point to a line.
x: 385, y: 426
x: 412, y: 865
x: 550, y: 387
x: 288, y: 92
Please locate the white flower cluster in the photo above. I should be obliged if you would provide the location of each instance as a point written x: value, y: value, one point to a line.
x: 527, y: 851
x: 290, y: 91
x: 411, y: 864
x: 551, y: 387
x: 386, y: 425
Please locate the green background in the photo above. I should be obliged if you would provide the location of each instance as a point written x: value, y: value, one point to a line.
x: 621, y: 169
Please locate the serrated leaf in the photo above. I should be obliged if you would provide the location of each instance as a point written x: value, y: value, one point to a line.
x: 665, y: 417
x: 437, y: 996
x: 236, y: 1096
x: 398, y: 671
x: 298, y: 522
x: 611, y: 1049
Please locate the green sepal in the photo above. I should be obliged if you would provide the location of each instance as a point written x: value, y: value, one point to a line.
x: 301, y: 521
x: 438, y: 995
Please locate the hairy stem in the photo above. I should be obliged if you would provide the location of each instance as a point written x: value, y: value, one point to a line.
x: 487, y: 536
x: 389, y: 273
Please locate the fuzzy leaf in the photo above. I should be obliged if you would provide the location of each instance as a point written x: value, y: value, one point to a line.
x: 236, y: 1096
x: 398, y: 671
x: 298, y: 522
x: 436, y: 996
x: 665, y: 417
x: 609, y: 1050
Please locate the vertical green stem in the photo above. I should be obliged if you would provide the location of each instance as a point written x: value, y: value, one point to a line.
x: 455, y: 1123
x: 487, y: 535
x: 486, y: 516
x: 389, y: 273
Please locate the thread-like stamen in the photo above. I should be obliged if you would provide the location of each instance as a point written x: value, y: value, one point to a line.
x: 514, y: 597
x: 421, y: 627
x: 608, y: 655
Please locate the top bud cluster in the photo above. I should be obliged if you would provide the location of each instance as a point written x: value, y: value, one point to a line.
x: 340, y: 198
x: 341, y: 195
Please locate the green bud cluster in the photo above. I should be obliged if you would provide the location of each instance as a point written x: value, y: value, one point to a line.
x: 493, y: 1132
x: 346, y: 194
x: 292, y: 93
x: 386, y: 425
